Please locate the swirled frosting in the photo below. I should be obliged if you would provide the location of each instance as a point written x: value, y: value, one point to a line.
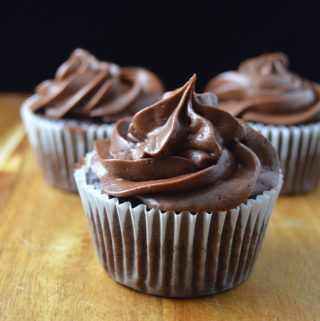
x: 183, y: 153
x: 85, y: 87
x: 264, y: 90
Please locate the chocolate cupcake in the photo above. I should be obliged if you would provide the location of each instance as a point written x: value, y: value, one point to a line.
x: 80, y: 105
x: 179, y: 198
x: 282, y: 106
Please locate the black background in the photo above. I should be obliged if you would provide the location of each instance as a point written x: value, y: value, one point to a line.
x: 174, y: 39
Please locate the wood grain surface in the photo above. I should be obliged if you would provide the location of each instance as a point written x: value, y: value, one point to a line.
x: 49, y: 271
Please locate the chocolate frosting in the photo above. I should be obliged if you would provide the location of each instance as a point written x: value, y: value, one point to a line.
x: 85, y: 87
x: 264, y: 90
x: 184, y: 154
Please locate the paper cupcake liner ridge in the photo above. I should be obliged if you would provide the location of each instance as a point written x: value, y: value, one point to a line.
x: 298, y: 148
x: 58, y: 144
x: 175, y: 254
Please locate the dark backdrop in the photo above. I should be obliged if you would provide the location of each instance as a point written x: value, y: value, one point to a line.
x: 174, y: 39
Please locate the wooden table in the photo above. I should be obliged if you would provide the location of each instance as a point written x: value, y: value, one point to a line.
x: 49, y: 271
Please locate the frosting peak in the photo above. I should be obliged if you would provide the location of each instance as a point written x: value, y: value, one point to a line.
x: 265, y: 90
x: 276, y: 63
x: 161, y: 127
x: 183, y: 153
x: 85, y: 87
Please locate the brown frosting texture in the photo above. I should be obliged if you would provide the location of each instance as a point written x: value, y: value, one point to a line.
x: 85, y: 87
x: 264, y: 90
x: 182, y: 153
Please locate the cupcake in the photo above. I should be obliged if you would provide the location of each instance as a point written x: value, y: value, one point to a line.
x: 282, y: 106
x: 79, y: 105
x: 179, y: 198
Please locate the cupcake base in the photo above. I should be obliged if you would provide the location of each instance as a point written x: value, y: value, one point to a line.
x: 58, y: 144
x: 298, y: 148
x: 175, y: 254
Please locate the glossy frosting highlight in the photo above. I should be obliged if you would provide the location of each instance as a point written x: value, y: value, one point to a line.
x: 85, y: 87
x: 183, y: 153
x: 264, y: 90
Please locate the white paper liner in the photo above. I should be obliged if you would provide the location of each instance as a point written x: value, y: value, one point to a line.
x: 58, y: 144
x: 298, y: 148
x: 175, y: 254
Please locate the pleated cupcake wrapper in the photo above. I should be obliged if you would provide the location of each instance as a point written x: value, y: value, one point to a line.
x: 58, y: 144
x: 298, y: 148
x: 175, y: 254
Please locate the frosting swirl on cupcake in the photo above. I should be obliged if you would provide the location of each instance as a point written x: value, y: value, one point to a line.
x: 264, y: 90
x: 183, y: 153
x: 85, y: 87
